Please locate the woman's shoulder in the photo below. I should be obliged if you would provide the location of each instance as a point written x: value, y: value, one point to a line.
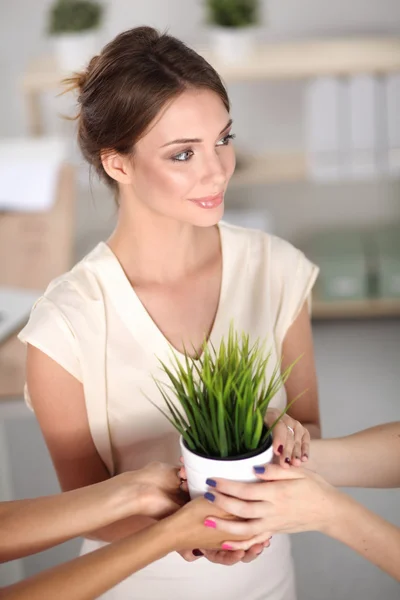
x: 273, y: 247
x: 80, y: 285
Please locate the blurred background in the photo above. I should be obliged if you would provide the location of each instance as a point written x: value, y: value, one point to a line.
x: 315, y: 90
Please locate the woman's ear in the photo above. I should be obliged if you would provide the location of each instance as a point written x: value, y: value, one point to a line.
x: 116, y: 166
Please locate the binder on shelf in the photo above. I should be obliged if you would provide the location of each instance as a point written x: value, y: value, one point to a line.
x: 325, y: 128
x: 368, y: 136
x: 393, y: 122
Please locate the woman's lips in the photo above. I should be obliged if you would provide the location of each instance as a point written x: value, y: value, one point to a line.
x: 209, y: 201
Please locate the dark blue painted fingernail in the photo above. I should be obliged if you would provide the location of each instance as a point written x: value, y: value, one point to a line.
x: 259, y: 469
x: 209, y: 496
x: 197, y: 552
x: 211, y: 482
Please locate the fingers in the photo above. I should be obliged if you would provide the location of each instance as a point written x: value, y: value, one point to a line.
x: 239, y: 529
x: 236, y: 507
x: 258, y: 542
x: 291, y: 442
x: 244, y: 491
x: 305, y: 446
x: 276, y: 473
x: 280, y: 432
x: 252, y: 553
x: 224, y: 557
x: 296, y: 451
x: 191, y: 555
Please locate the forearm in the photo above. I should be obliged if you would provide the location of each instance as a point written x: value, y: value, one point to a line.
x: 30, y: 526
x: 369, y: 458
x: 368, y: 534
x: 91, y: 575
x: 121, y: 529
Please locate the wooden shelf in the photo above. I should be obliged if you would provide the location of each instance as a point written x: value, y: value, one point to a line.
x: 275, y: 60
x: 310, y: 58
x: 357, y: 309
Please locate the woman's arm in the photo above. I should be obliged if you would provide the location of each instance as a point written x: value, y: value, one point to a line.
x: 91, y: 575
x: 296, y: 499
x: 366, y: 533
x: 59, y: 404
x: 29, y: 526
x: 303, y: 380
x: 369, y: 458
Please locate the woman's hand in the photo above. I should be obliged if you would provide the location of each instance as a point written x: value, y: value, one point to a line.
x: 226, y: 557
x: 187, y: 526
x: 153, y: 491
x: 291, y: 441
x: 289, y: 500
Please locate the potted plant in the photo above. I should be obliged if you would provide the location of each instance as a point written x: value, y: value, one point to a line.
x: 232, y: 33
x: 217, y: 403
x: 74, y: 25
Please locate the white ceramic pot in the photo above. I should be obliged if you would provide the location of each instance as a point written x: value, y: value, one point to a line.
x: 73, y: 51
x: 198, y: 468
x: 232, y: 44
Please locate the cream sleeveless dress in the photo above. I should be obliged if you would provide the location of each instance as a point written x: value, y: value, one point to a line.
x: 92, y: 323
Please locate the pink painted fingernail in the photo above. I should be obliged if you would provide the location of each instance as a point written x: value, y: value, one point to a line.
x: 210, y: 523
x: 226, y: 547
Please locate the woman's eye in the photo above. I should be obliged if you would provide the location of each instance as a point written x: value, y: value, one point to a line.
x: 183, y: 156
x: 225, y: 140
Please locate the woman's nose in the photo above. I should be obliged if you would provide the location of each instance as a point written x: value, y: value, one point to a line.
x: 214, y: 173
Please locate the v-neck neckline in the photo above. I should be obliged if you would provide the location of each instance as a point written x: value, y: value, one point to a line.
x: 134, y: 313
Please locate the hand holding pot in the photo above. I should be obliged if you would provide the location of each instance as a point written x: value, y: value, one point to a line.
x: 291, y: 441
x: 189, y: 530
x: 288, y: 501
x: 157, y: 486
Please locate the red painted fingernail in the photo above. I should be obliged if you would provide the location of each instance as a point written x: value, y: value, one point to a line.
x: 226, y: 547
x: 280, y: 449
x: 287, y: 460
x: 197, y: 552
x: 210, y: 523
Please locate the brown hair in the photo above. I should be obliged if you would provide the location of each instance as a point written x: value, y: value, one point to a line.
x: 128, y: 83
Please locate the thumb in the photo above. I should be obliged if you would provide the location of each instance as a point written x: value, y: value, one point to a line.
x: 276, y: 472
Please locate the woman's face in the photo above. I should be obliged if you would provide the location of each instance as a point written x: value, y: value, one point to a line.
x: 182, y: 166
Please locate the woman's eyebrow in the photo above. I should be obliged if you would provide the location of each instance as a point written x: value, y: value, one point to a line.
x: 195, y: 140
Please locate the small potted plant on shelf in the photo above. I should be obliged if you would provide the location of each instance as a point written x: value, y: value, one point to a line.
x: 232, y: 33
x: 74, y: 26
x: 217, y: 403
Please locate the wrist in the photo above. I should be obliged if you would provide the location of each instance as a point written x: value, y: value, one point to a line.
x: 169, y: 536
x: 124, y: 499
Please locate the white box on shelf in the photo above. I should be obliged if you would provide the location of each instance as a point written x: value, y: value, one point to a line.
x: 368, y: 136
x: 251, y: 218
x: 393, y: 122
x: 325, y: 128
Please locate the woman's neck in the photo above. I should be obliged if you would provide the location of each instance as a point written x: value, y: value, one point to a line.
x: 155, y: 249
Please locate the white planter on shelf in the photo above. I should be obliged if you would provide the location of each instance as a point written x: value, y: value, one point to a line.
x: 232, y: 44
x: 199, y: 469
x: 73, y: 51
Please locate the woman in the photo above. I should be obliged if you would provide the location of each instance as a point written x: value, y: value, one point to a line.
x: 300, y: 500
x: 154, y: 122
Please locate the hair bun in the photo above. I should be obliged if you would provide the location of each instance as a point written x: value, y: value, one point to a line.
x: 77, y: 81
